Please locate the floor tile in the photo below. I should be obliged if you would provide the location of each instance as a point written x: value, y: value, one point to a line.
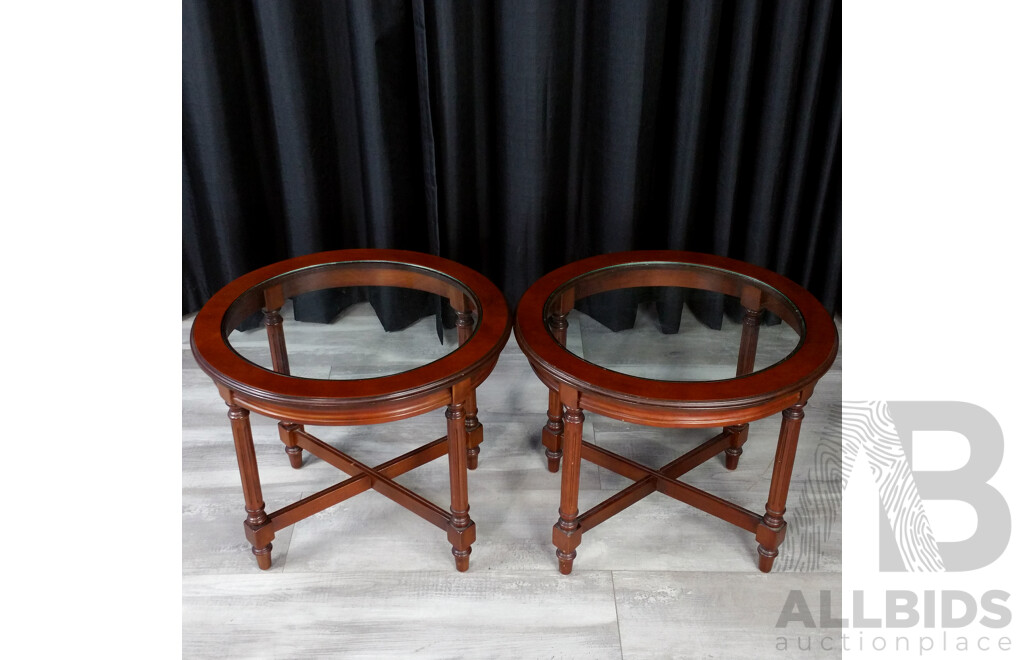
x: 367, y: 578
x: 721, y: 615
x: 422, y: 613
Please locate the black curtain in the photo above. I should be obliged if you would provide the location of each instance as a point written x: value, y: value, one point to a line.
x: 511, y: 136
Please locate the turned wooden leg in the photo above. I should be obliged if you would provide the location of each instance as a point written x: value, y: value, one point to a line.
x: 257, y: 529
x: 735, y: 448
x: 551, y: 436
x: 275, y: 336
x: 279, y: 357
x: 461, y: 530
x: 287, y: 430
x: 566, y: 533
x: 744, y: 365
x: 748, y: 341
x: 772, y: 529
x: 474, y: 432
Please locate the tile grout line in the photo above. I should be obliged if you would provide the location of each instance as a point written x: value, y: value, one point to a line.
x: 618, y: 627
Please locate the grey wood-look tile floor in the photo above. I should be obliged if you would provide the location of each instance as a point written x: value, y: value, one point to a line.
x: 368, y: 579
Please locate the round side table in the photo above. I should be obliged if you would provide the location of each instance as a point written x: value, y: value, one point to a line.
x: 716, y: 380
x: 423, y: 380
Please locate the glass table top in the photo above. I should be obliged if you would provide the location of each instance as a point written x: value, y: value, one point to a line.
x: 674, y: 322
x: 370, y: 329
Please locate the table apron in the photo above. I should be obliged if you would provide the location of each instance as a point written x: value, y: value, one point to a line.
x: 345, y: 415
x: 673, y: 417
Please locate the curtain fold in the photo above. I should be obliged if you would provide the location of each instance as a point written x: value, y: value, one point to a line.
x: 512, y: 136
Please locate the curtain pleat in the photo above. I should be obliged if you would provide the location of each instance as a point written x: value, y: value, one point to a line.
x: 513, y: 136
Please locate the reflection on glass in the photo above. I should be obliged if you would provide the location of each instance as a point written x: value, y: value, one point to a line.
x: 380, y: 331
x: 675, y: 333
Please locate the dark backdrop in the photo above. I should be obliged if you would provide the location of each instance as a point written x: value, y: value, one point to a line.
x: 511, y: 136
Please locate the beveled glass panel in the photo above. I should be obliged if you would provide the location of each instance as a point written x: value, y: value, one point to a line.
x: 675, y: 322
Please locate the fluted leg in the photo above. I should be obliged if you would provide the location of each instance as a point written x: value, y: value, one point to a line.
x: 256, y: 529
x: 744, y: 365
x: 275, y: 336
x: 748, y: 341
x: 772, y: 529
x: 279, y: 357
x: 566, y: 533
x: 551, y: 436
x: 461, y: 530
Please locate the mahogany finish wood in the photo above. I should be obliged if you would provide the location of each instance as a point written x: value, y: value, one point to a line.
x: 474, y: 430
x: 551, y: 437
x: 744, y: 365
x: 578, y: 385
x: 449, y: 382
x: 567, y: 532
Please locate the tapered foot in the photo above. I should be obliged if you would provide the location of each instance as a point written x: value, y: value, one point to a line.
x: 766, y: 558
x: 294, y: 456
x: 554, y: 460
x: 472, y: 458
x: 732, y: 458
x: 461, y: 539
x: 769, y: 536
x: 289, y: 436
x: 263, y: 556
x: 565, y: 561
x: 461, y: 559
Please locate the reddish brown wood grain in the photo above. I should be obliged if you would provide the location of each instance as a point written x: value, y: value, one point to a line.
x: 790, y: 377
x: 733, y: 403
x: 450, y: 382
x: 332, y: 402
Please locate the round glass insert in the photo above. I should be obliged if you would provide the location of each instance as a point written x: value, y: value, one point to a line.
x: 674, y: 321
x: 351, y: 320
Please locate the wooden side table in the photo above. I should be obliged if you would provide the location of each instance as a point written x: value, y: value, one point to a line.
x: 483, y: 327
x: 730, y: 399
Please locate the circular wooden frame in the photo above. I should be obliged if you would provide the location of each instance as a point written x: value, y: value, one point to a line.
x: 675, y: 403
x: 356, y: 401
x: 577, y: 385
x: 450, y: 380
